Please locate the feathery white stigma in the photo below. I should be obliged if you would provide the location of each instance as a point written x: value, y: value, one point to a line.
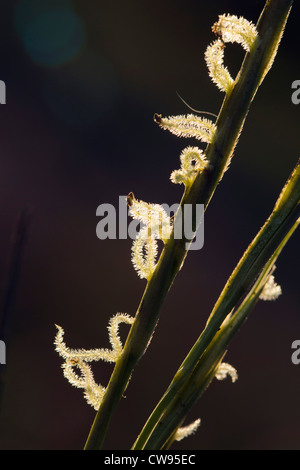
x: 271, y: 290
x: 187, y: 431
x: 79, y: 359
x: 220, y: 75
x: 191, y: 126
x: 224, y: 370
x: 153, y: 217
x: 193, y: 161
x: 144, y: 251
x: 234, y: 29
x: 230, y: 28
x: 156, y: 225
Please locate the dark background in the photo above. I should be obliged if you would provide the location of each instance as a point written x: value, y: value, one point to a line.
x: 83, y: 82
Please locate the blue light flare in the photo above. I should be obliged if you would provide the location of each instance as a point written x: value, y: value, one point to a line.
x: 51, y: 32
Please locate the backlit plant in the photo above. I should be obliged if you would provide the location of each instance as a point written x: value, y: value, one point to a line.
x: 253, y: 278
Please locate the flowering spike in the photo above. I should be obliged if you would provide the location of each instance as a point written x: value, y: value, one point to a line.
x: 214, y: 57
x: 94, y: 394
x: 156, y: 225
x: 226, y: 369
x: 234, y: 29
x: 144, y: 251
x: 271, y: 290
x: 153, y: 216
x: 80, y: 354
x: 230, y: 28
x: 193, y: 161
x: 187, y: 431
x: 188, y: 126
x: 79, y: 358
x: 113, y: 331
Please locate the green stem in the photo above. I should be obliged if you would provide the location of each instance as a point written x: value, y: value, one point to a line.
x: 273, y: 235
x: 230, y: 123
x: 160, y: 429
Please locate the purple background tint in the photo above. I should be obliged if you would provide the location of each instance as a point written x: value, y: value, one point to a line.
x: 81, y: 134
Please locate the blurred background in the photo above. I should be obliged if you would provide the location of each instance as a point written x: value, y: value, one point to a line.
x: 83, y: 80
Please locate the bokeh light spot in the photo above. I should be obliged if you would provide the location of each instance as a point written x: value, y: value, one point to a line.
x: 51, y: 33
